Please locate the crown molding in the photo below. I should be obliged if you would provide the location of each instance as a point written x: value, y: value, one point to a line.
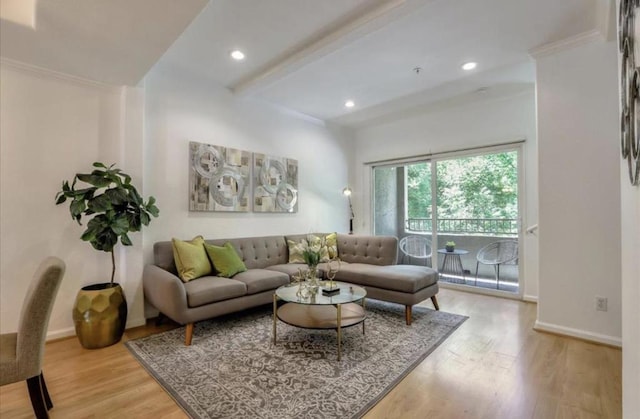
x: 568, y: 43
x: 52, y: 74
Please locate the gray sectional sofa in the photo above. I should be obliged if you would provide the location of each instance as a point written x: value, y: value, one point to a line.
x: 368, y: 261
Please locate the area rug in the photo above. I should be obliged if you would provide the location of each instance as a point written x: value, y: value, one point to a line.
x: 233, y: 370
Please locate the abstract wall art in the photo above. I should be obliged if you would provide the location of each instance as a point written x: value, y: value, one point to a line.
x: 219, y: 178
x: 275, y: 184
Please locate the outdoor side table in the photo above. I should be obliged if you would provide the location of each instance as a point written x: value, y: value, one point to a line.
x: 451, y: 263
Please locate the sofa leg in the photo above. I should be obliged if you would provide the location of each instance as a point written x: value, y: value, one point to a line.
x: 434, y: 300
x: 160, y: 319
x: 407, y: 314
x: 188, y: 334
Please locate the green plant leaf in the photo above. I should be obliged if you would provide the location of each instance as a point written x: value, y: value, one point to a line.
x: 77, y: 206
x: 117, y: 195
x: 60, y: 198
x: 98, y: 164
x: 144, y: 218
x: 88, y: 235
x: 100, y: 203
x: 134, y: 196
x: 94, y: 179
x: 125, y: 240
x: 120, y: 226
x: 134, y: 221
x: 153, y: 210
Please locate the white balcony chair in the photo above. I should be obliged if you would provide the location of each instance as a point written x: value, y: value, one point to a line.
x: 501, y: 252
x: 415, y: 247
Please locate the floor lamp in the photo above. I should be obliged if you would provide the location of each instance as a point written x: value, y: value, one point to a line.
x: 347, y: 192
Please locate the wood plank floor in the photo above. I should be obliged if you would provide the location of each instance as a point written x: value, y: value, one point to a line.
x: 493, y: 366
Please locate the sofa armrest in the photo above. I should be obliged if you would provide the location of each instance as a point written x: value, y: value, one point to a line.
x: 165, y: 291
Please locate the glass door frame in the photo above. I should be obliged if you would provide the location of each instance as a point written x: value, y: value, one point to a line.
x: 433, y: 159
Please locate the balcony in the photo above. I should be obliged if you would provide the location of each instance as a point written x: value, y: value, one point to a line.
x: 471, y: 234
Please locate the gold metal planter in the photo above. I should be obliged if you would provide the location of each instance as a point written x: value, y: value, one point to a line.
x: 100, y: 315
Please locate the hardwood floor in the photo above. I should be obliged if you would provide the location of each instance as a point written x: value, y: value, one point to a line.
x: 494, y: 366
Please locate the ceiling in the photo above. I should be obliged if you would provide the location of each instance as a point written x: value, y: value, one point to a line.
x: 308, y: 55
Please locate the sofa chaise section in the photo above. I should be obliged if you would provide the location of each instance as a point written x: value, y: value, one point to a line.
x: 370, y: 261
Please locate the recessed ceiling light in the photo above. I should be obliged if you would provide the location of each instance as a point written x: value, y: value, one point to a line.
x: 237, y: 55
x: 469, y: 66
x: 349, y: 104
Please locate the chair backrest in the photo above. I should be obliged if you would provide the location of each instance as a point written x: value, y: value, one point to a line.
x: 415, y: 246
x: 498, y: 252
x: 36, y: 310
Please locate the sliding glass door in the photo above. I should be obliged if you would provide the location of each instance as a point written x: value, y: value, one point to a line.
x: 466, y: 207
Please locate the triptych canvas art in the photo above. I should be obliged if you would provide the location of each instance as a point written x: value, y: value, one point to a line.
x: 228, y: 179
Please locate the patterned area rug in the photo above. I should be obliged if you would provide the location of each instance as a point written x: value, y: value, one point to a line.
x: 233, y: 370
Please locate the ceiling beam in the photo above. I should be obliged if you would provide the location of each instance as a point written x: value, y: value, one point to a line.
x: 361, y: 21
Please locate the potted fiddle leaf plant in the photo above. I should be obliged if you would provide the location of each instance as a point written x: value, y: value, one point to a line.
x: 114, y: 208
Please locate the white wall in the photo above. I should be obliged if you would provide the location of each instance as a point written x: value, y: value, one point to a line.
x: 579, y: 182
x: 182, y: 108
x: 630, y: 270
x: 484, y: 122
x: 53, y: 127
x: 630, y: 209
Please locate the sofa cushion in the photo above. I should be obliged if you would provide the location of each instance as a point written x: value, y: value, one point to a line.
x: 258, y: 280
x: 190, y: 258
x: 288, y: 268
x: 403, y: 278
x: 291, y: 269
x: 225, y: 259
x: 210, y: 289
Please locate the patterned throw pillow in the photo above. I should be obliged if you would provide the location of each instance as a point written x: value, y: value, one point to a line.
x: 332, y: 245
x: 295, y: 250
x: 191, y: 259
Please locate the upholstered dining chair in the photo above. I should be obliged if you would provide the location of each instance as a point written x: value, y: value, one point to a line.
x: 21, y: 353
x: 415, y: 247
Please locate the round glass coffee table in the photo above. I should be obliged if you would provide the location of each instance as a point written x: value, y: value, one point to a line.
x: 318, y: 311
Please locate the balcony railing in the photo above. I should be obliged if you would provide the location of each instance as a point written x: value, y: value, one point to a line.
x: 493, y: 226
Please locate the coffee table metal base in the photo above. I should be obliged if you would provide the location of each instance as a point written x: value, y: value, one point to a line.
x: 308, y: 316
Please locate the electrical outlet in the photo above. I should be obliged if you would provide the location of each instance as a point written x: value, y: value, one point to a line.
x: 601, y: 303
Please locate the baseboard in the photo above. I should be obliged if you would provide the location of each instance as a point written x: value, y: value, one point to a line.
x: 578, y: 333
x: 71, y: 331
x: 60, y: 334
x: 530, y: 298
x: 131, y: 323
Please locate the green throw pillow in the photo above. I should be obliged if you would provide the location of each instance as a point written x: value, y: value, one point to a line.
x: 191, y: 259
x: 332, y: 245
x: 225, y: 259
x: 295, y: 250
